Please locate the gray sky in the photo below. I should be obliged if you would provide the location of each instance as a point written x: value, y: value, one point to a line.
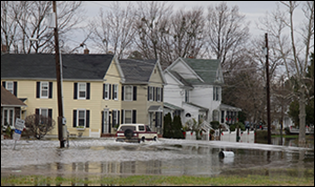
x: 253, y: 10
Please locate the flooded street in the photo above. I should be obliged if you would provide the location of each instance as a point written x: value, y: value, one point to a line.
x: 165, y: 156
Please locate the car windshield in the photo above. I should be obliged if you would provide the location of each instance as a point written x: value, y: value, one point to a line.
x: 123, y: 128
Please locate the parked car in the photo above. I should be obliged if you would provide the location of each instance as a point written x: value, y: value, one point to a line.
x: 135, y: 133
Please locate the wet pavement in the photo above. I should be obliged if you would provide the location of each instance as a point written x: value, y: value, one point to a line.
x: 165, y: 156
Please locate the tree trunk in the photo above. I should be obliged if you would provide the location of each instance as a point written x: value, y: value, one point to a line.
x: 302, y: 117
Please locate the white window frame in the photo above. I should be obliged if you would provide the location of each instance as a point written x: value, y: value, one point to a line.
x: 44, y: 89
x: 7, y: 117
x: 115, y: 88
x: 11, y: 87
x: 116, y: 117
x: 78, y: 115
x: 106, y: 91
x: 158, y: 94
x: 216, y: 93
x: 82, y: 83
x: 151, y: 93
x: 42, y: 110
x: 125, y: 121
x: 131, y: 93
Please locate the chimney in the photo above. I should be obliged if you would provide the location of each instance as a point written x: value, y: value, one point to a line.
x: 3, y: 48
x: 86, y: 51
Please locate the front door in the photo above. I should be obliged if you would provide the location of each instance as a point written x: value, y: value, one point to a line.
x: 105, y: 122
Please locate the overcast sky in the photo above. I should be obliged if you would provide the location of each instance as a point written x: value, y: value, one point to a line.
x: 253, y: 10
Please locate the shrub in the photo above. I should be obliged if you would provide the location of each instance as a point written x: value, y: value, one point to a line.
x: 215, y: 124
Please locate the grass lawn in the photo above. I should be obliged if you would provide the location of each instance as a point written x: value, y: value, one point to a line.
x: 289, y: 179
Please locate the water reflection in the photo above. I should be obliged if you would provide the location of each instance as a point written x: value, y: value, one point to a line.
x: 164, y: 157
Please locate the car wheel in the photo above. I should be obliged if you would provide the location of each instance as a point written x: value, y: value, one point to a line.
x: 154, y: 139
x: 128, y: 133
x: 143, y: 139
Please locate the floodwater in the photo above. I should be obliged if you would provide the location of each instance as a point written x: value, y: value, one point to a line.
x: 163, y: 157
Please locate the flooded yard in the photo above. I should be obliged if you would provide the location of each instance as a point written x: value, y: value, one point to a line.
x: 163, y: 157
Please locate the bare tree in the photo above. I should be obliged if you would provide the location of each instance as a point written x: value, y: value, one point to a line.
x: 227, y: 32
x: 152, y: 21
x: 294, y: 52
x: 39, y: 125
x: 114, y: 31
x: 27, y: 20
x: 188, y: 32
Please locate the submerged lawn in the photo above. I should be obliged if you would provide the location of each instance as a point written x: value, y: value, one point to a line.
x: 290, y: 179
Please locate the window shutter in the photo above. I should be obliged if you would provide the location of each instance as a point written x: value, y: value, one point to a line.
x: 135, y: 93
x: 15, y: 88
x: 75, y: 91
x: 102, y: 123
x: 118, y: 117
x: 36, y: 111
x: 113, y: 92
x: 109, y: 126
x: 109, y: 91
x: 122, y: 93
x: 103, y: 91
x: 156, y: 94
x: 156, y: 119
x: 122, y: 116
x: 50, y: 113
x: 134, y: 116
x: 161, y: 94
x: 50, y: 89
x: 3, y: 84
x: 113, y: 117
x: 88, y: 90
x: 148, y: 93
x: 87, y: 125
x: 74, y: 118
x: 37, y: 89
x: 153, y: 93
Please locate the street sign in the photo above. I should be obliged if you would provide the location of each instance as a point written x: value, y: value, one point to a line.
x: 16, y: 137
x: 19, y: 124
x: 17, y: 131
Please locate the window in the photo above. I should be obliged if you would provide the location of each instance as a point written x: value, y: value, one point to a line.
x: 82, y: 91
x: 150, y: 93
x: 128, y: 93
x: 115, y: 118
x: 106, y: 91
x: 44, y: 89
x: 43, y: 112
x: 81, y: 118
x: 158, y: 94
x: 128, y: 116
x: 8, y: 117
x: 186, y: 96
x: 115, y: 91
x: 216, y: 93
x: 141, y: 128
x: 9, y: 86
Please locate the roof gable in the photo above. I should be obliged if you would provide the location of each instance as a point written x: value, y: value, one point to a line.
x: 8, y: 99
x: 208, y: 69
x: 75, y: 66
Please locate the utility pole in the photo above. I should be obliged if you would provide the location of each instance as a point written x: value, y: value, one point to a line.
x: 57, y: 58
x: 268, y: 91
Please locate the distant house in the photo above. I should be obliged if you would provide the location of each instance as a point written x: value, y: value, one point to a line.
x: 11, y: 108
x: 193, y: 90
x: 91, y: 88
x: 142, y: 93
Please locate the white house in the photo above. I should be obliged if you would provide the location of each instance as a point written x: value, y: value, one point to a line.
x: 193, y: 90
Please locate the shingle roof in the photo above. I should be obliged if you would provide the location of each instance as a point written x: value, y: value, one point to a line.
x: 7, y: 98
x: 205, y: 68
x: 137, y: 70
x: 180, y: 78
x: 75, y: 66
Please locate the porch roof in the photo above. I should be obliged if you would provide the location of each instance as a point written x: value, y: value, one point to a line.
x: 171, y: 106
x: 230, y: 108
x: 8, y: 99
x: 155, y: 108
x: 200, y: 107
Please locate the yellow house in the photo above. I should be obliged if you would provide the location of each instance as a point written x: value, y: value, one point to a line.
x: 142, y: 93
x: 91, y: 87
